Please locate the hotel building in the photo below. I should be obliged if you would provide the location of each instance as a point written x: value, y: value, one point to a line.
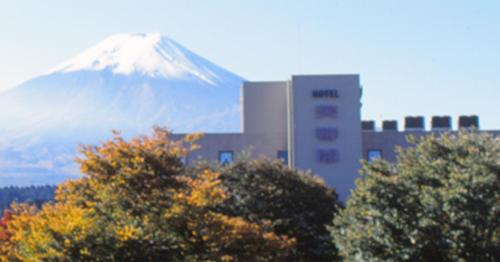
x: 313, y: 122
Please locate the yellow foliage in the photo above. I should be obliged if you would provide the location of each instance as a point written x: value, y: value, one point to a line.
x: 133, y: 193
x: 32, y: 234
x: 206, y: 190
x: 216, y: 231
x: 128, y: 232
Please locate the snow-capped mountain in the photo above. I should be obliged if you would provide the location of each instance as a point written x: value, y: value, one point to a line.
x: 151, y: 55
x: 128, y: 82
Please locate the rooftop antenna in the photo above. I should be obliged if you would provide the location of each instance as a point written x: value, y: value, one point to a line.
x: 299, y: 48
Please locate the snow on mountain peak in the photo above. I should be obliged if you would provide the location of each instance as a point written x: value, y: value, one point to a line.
x: 153, y: 55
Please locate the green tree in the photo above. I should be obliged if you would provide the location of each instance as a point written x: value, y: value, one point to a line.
x: 297, y: 204
x: 33, y: 194
x: 439, y: 202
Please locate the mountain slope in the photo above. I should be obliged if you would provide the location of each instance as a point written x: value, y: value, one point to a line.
x: 127, y: 82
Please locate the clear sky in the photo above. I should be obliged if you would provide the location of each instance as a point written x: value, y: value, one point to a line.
x: 414, y: 57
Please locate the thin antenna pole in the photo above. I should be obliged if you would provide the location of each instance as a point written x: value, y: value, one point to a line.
x: 299, y: 48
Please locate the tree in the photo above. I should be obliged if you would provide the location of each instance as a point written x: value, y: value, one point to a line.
x: 439, y: 202
x: 33, y: 194
x: 57, y: 232
x: 216, y: 236
x: 6, y: 245
x: 138, y: 202
x: 296, y: 204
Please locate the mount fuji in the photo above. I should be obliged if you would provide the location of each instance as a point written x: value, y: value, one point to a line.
x: 128, y: 82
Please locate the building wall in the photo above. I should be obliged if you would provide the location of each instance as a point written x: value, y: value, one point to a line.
x: 264, y: 107
x: 256, y: 145
x: 268, y: 145
x: 387, y: 141
x: 283, y: 116
x: 312, y: 152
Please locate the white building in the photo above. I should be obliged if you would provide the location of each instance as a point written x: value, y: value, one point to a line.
x: 313, y: 122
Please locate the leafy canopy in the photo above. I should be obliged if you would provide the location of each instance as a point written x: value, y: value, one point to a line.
x: 138, y: 202
x: 439, y: 202
x: 297, y: 204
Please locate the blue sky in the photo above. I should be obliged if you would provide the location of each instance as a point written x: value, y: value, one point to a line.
x: 414, y: 57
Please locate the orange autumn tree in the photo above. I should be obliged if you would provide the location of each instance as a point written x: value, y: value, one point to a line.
x: 138, y: 202
x: 56, y: 232
x: 215, y: 236
x: 6, y: 246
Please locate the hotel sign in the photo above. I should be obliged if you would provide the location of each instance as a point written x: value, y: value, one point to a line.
x: 325, y: 93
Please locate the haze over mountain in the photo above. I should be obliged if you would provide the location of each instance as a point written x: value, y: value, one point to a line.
x: 128, y: 82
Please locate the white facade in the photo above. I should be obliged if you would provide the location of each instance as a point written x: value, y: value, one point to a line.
x: 325, y: 128
x: 313, y: 122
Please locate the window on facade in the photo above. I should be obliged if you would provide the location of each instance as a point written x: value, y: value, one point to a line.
x: 283, y: 156
x: 374, y: 154
x: 326, y: 133
x: 326, y: 111
x: 225, y: 157
x: 327, y: 156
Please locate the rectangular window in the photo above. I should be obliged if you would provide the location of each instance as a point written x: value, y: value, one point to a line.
x: 327, y: 156
x: 225, y: 157
x: 283, y: 156
x: 374, y: 154
x: 326, y: 133
x: 326, y: 111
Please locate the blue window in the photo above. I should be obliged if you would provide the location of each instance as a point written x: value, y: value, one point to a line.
x: 226, y: 157
x: 327, y: 156
x: 326, y: 111
x: 283, y: 156
x: 326, y: 133
x: 374, y: 154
